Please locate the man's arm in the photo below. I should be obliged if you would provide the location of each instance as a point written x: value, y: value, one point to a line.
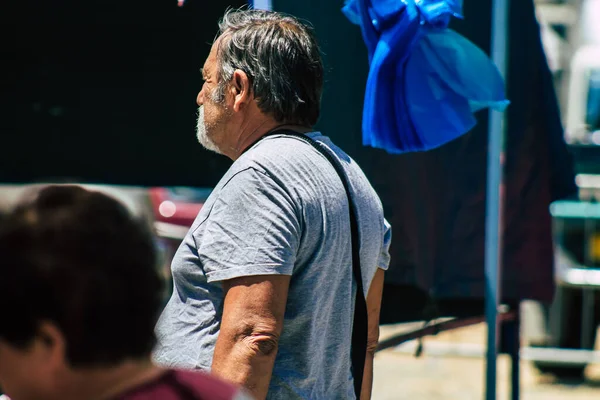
x: 374, y: 296
x: 373, y: 309
x: 252, y: 322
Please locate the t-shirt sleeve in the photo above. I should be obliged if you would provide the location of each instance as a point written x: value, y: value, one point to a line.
x: 384, y: 257
x: 253, y: 228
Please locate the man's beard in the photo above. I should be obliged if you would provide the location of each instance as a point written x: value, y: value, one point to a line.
x: 202, y: 135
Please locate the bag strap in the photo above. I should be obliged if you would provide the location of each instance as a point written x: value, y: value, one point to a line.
x: 360, y: 322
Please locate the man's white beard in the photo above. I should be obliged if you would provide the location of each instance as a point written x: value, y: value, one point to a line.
x: 201, y: 134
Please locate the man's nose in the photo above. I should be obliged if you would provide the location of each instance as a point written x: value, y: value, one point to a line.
x: 200, y: 98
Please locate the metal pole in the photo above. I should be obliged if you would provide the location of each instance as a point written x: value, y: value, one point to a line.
x: 515, y: 356
x: 587, y: 302
x: 261, y: 4
x: 494, y: 201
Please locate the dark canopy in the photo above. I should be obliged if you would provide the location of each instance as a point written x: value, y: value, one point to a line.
x: 436, y: 200
x: 104, y: 91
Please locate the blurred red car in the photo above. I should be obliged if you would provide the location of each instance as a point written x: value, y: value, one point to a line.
x: 174, y: 209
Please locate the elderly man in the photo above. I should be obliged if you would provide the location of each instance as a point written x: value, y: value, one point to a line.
x: 264, y: 294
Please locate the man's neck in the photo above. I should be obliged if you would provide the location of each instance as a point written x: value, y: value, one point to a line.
x: 109, y: 383
x: 253, y: 135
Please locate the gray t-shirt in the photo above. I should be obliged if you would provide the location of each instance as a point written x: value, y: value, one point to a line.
x: 280, y: 209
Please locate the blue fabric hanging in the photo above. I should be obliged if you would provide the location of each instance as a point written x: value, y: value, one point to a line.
x: 425, y: 80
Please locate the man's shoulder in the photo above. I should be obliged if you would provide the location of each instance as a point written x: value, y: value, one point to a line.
x: 283, y: 147
x: 272, y: 154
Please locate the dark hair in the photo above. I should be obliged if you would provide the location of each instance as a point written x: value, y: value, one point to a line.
x: 281, y: 57
x: 79, y: 259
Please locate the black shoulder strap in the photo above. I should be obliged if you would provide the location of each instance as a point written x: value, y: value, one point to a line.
x: 360, y: 325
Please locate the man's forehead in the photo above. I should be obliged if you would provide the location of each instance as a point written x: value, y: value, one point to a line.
x: 211, y: 60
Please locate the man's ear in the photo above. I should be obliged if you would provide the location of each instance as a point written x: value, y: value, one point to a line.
x: 241, y: 89
x: 51, y: 342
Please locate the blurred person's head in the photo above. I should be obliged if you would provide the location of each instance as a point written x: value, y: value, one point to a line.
x: 79, y: 294
x: 264, y: 71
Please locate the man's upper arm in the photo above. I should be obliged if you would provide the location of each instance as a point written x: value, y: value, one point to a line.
x: 249, y: 243
x: 373, y: 309
x: 375, y: 292
x: 255, y: 305
x: 252, y: 322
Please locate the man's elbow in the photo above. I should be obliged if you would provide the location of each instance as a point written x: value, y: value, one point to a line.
x: 260, y: 341
x: 373, y: 340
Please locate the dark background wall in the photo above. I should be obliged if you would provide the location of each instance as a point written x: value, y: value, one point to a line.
x: 104, y: 91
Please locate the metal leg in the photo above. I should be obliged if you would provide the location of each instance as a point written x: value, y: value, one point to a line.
x: 587, y: 319
x: 587, y: 302
x: 514, y: 338
x: 510, y: 332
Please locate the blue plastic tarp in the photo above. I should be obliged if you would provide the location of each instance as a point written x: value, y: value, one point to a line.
x: 425, y: 80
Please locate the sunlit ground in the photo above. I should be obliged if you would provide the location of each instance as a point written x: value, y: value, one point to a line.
x: 401, y: 376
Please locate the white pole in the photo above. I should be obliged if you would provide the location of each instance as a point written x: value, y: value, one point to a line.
x: 262, y: 4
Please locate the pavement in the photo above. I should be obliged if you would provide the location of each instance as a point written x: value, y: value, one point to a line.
x: 452, y: 376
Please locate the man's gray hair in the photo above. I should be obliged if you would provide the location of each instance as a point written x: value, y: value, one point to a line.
x: 281, y: 57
